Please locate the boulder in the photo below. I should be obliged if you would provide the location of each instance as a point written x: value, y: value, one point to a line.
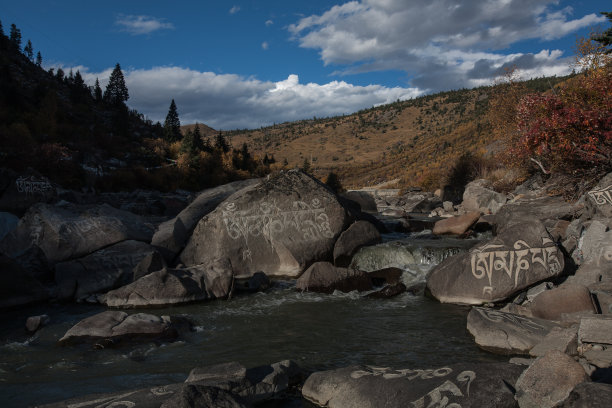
x: 18, y: 192
x: 279, y: 226
x: 419, y: 202
x: 596, y: 329
x: 195, y: 396
x: 8, y: 222
x: 151, y: 263
x: 359, y: 234
x: 477, y: 197
x: 71, y: 232
x: 517, y: 258
x: 257, y: 282
x: 171, y: 236
x: 549, y: 380
x: 363, y: 198
x: 106, y: 269
x: 506, y: 333
x: 589, y: 395
x: 112, y: 327
x: 599, y: 199
x: 456, y: 225
x: 464, y: 385
x: 564, y: 340
x: 17, y: 288
x: 567, y: 299
x: 33, y: 323
x: 527, y: 210
x: 325, y: 278
x: 174, y: 286
x: 386, y: 276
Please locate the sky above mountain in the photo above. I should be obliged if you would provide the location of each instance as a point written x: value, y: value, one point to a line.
x: 244, y: 64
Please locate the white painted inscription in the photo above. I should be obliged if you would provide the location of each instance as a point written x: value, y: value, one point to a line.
x: 409, y: 374
x: 497, y: 317
x: 267, y: 220
x: 492, y: 258
x: 602, y: 196
x: 32, y: 185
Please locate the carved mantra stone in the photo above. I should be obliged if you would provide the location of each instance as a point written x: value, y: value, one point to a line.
x: 516, y: 259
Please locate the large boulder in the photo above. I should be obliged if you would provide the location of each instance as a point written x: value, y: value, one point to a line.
x: 506, y: 333
x: 106, y: 269
x: 359, y: 234
x: 17, y: 288
x: 530, y: 209
x: 171, y: 236
x: 562, y: 302
x: 174, y: 286
x: 477, y: 197
x: 193, y: 395
x: 517, y: 258
x: 366, y: 201
x: 325, y: 278
x: 279, y: 226
x: 549, y: 380
x: 599, y: 199
x: 456, y: 225
x: 20, y: 191
x: 70, y: 232
x: 464, y: 385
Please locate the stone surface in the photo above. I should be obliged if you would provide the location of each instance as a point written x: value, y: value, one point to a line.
x: 8, y: 222
x: 596, y: 329
x: 564, y: 340
x: 172, y: 235
x: 33, y: 323
x: 533, y: 292
x: 201, y: 396
x: 506, y: 333
x: 388, y: 291
x: 364, y: 199
x: 599, y: 358
x: 112, y: 327
x: 257, y: 282
x: 153, y: 262
x: 20, y: 191
x: 106, y: 269
x: 325, y: 278
x: 599, y: 200
x: 17, y: 288
x: 279, y: 226
x: 418, y: 202
x: 589, y: 395
x: 386, y: 276
x: 456, y: 225
x: 517, y: 258
x: 549, y: 380
x: 174, y: 286
x: 64, y: 233
x: 566, y: 299
x: 533, y: 209
x: 464, y: 385
x: 477, y: 197
x: 359, y: 234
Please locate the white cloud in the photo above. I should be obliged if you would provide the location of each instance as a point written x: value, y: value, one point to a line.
x: 269, y: 23
x: 265, y: 45
x: 227, y: 101
x: 139, y: 25
x: 234, y: 9
x: 438, y: 42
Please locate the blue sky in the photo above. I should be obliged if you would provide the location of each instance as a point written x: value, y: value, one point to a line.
x: 236, y: 64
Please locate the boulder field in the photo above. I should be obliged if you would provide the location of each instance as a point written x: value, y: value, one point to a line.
x: 539, y: 285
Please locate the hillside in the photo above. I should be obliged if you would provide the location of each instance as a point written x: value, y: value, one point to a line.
x: 416, y: 141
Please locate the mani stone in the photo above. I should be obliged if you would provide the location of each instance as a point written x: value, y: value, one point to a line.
x: 599, y: 200
x: 456, y: 225
x: 596, y: 329
x: 506, y: 333
x: 464, y: 385
x: 549, y: 380
x: 567, y: 299
x: 517, y: 258
x: 280, y: 226
x: 325, y: 278
x: 359, y: 234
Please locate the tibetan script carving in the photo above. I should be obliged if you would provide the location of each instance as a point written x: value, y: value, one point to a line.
x: 32, y: 185
x: 602, y: 196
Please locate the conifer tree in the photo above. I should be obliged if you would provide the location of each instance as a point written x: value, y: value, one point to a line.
x: 1, y: 30
x: 28, y: 51
x: 78, y: 80
x: 221, y: 144
x: 192, y: 142
x: 306, y: 166
x: 116, y: 92
x: 605, y: 38
x: 172, y: 124
x: 38, y: 59
x: 15, y: 36
x: 97, y: 91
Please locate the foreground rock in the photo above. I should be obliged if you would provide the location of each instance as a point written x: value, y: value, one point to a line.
x: 171, y: 236
x: 101, y: 271
x: 359, y: 234
x: 325, y: 278
x: 563, y: 303
x: 589, y: 395
x: 111, y: 327
x: 506, y: 333
x: 477, y: 197
x: 174, y: 286
x: 279, y: 226
x: 69, y: 232
x: 549, y: 381
x: 517, y: 258
x: 476, y: 385
x: 599, y: 200
x: 17, y: 288
x: 456, y: 225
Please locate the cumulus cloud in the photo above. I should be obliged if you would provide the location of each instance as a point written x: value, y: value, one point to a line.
x: 269, y: 23
x: 265, y: 45
x: 439, y: 43
x: 228, y: 101
x: 234, y: 9
x: 139, y: 25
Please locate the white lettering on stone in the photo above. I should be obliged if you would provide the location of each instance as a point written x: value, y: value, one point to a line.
x: 498, y: 317
x: 409, y: 374
x: 33, y: 186
x: 602, y: 196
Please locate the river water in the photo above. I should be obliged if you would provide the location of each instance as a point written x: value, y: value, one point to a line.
x: 317, y: 331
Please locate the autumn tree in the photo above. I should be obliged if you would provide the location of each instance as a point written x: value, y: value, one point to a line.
x: 116, y: 92
x: 172, y: 124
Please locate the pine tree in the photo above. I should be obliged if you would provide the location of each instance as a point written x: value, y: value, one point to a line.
x: 59, y: 74
x: 97, y: 91
x: 221, y: 144
x: 192, y: 142
x: 1, y: 30
x: 38, y: 59
x: 28, y: 51
x: 15, y: 36
x: 172, y: 124
x: 197, y: 137
x: 605, y: 38
x: 116, y: 92
x: 306, y: 166
x: 78, y: 80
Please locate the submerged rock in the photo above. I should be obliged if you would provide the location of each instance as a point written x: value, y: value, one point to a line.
x: 279, y: 226
x: 359, y: 234
x: 325, y: 278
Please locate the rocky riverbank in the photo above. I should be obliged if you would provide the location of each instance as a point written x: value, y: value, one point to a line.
x: 540, y: 287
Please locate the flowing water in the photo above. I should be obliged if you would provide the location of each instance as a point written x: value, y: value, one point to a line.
x: 315, y: 330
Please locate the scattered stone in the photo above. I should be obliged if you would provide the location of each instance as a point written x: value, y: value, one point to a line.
x: 456, y: 225
x: 325, y: 278
x: 536, y: 290
x: 589, y: 395
x: 174, y: 286
x: 566, y: 299
x: 596, y: 329
x: 564, y: 340
x: 505, y: 333
x: 477, y: 197
x: 549, y: 380
x: 359, y: 234
x: 33, y: 323
x: 473, y: 385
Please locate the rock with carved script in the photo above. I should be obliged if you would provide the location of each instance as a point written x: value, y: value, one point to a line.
x: 491, y: 272
x: 279, y: 226
x: 599, y: 199
x: 464, y: 385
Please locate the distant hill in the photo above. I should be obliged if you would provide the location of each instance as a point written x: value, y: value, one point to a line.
x: 205, y: 131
